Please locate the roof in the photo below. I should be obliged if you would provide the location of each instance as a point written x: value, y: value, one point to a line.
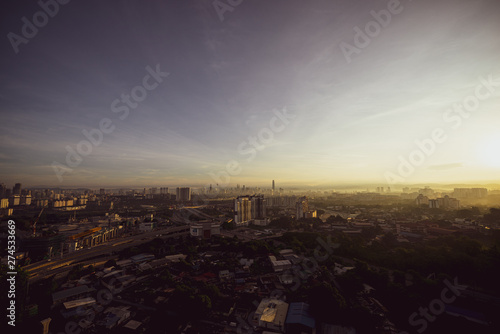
x: 272, y: 311
x: 79, y: 302
x: 68, y: 293
x: 133, y: 324
x: 468, y: 314
x: 298, y: 313
x: 142, y: 257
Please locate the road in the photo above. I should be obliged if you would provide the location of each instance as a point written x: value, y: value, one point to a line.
x: 42, y: 269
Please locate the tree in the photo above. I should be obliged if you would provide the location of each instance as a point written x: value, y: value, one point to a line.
x: 389, y: 240
x: 326, y: 302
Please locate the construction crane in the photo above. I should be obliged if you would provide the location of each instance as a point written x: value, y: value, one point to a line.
x: 36, y: 221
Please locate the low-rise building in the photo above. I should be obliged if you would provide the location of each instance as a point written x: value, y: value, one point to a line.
x: 204, y: 229
x: 271, y: 314
x: 280, y: 265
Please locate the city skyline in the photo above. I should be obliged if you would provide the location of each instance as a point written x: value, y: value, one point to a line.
x: 183, y: 94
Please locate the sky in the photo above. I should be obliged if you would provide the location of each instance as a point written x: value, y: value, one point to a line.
x: 244, y: 92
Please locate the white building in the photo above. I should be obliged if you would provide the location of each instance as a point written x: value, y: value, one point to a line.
x: 204, y: 229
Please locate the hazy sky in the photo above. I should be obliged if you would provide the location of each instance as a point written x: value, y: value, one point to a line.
x: 359, y: 101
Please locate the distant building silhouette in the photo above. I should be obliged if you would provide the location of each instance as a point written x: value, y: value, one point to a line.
x: 472, y: 193
x: 302, y: 209
x: 17, y: 189
x: 2, y: 190
x: 183, y: 194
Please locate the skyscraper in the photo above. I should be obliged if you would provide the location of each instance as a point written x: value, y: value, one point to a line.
x: 248, y: 208
x: 17, y: 189
x: 301, y: 207
x: 183, y: 194
x: 273, y: 186
x: 242, y: 210
x: 258, y: 207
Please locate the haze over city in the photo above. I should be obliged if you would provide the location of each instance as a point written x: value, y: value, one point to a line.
x: 212, y: 79
x: 250, y: 166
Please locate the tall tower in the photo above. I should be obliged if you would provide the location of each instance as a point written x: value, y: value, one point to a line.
x: 242, y: 210
x: 183, y: 194
x: 301, y: 207
x: 273, y: 186
x: 258, y: 206
x: 17, y: 189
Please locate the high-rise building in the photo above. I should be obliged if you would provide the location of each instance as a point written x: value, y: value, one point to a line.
x: 447, y: 202
x: 301, y: 207
x: 249, y: 208
x: 4, y: 203
x: 242, y: 210
x: 433, y: 204
x: 258, y: 207
x: 183, y: 194
x: 2, y: 190
x: 273, y: 185
x: 17, y: 189
x: 421, y: 199
x: 25, y: 200
x: 14, y: 200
